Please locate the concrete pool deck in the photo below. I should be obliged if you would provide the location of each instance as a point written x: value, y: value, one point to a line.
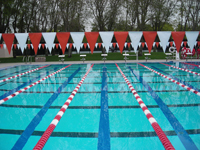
x: 5, y: 65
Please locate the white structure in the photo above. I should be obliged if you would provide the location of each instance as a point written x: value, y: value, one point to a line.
x: 4, y: 53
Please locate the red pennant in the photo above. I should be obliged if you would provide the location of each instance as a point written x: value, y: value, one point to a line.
x: 143, y: 43
x: 35, y: 40
x: 29, y: 46
x: 43, y: 46
x: 1, y: 45
x: 185, y: 43
x: 171, y: 44
x: 85, y: 45
x: 129, y: 44
x: 92, y: 38
x: 149, y: 37
x: 198, y: 42
x: 57, y: 46
x: 63, y: 38
x: 8, y: 39
x: 178, y: 38
x: 114, y: 44
x: 121, y: 39
x: 15, y: 46
x: 99, y: 45
x: 157, y: 44
x: 70, y: 45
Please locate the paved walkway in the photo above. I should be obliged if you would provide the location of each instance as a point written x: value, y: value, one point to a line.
x: 5, y: 65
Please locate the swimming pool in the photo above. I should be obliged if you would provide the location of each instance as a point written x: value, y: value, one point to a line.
x: 111, y: 106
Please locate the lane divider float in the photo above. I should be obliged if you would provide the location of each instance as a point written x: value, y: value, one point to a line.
x: 23, y: 73
x: 191, y: 64
x: 163, y: 138
x: 186, y: 70
x: 40, y: 144
x: 182, y: 85
x: 29, y: 86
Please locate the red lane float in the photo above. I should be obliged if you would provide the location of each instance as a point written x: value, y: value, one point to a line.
x: 182, y: 85
x: 29, y: 86
x: 182, y: 69
x: 163, y: 138
x: 23, y: 73
x: 191, y: 64
x: 40, y: 144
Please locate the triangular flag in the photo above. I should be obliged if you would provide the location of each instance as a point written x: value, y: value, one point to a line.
x: 56, y: 45
x: 35, y: 40
x: 164, y: 38
x: 192, y: 37
x: 39, y: 46
x: 157, y: 44
x: 63, y: 38
x: 99, y: 44
x: 85, y: 45
x: 129, y: 44
x: 77, y: 38
x: 96, y: 45
x: 121, y: 39
x: 92, y: 38
x: 143, y: 43
x: 135, y: 38
x: 70, y: 45
x: 21, y: 38
x: 15, y: 46
x: 171, y: 43
x: 1, y: 45
x: 0, y: 36
x: 8, y: 39
x: 198, y: 43
x: 114, y: 45
x: 106, y: 38
x: 125, y: 44
x: 149, y: 37
x: 29, y: 46
x: 49, y: 39
x: 43, y: 45
x: 178, y: 38
x: 185, y: 43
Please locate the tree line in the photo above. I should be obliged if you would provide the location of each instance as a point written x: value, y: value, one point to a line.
x: 98, y: 15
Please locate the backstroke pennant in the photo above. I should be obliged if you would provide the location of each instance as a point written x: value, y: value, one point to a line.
x: 121, y: 39
x: 106, y: 38
x: 164, y: 38
x: 77, y: 38
x: 63, y: 38
x: 92, y: 39
x: 149, y: 37
x: 21, y: 38
x: 135, y: 37
x: 35, y: 40
x: 49, y: 38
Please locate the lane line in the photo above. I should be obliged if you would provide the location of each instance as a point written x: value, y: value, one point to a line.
x: 21, y: 74
x: 177, y: 79
x: 178, y: 128
x: 24, y: 89
x: 180, y: 84
x: 186, y: 70
x: 163, y: 138
x: 40, y: 144
x: 36, y: 120
x: 104, y: 128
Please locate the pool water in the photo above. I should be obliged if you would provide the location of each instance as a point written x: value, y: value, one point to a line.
x: 104, y: 113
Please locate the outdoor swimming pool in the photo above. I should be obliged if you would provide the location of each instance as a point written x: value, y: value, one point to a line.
x: 118, y: 106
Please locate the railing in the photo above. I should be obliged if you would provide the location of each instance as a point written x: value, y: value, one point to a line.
x: 27, y: 59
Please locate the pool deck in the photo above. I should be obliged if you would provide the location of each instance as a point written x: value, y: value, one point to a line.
x: 5, y: 65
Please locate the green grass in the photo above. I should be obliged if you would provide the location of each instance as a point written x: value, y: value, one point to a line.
x: 90, y: 57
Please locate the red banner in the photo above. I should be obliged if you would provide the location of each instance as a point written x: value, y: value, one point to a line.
x: 35, y: 40
x: 85, y: 45
x: 149, y: 37
x: 99, y: 44
x: 92, y: 39
x: 129, y: 44
x: 70, y: 45
x: 63, y: 38
x: 157, y: 44
x: 8, y: 39
x: 114, y: 44
x: 143, y: 43
x: 178, y: 38
x: 121, y: 39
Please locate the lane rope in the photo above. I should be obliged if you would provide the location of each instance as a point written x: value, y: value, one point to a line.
x: 175, y: 81
x: 29, y: 86
x: 40, y: 144
x: 3, y: 80
x: 192, y: 64
x: 163, y: 138
x: 186, y: 70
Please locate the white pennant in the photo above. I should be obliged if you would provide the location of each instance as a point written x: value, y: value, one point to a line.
x: 164, y: 38
x: 135, y: 37
x: 49, y: 39
x: 192, y: 37
x: 106, y: 38
x: 0, y: 36
x: 77, y: 38
x: 21, y: 38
